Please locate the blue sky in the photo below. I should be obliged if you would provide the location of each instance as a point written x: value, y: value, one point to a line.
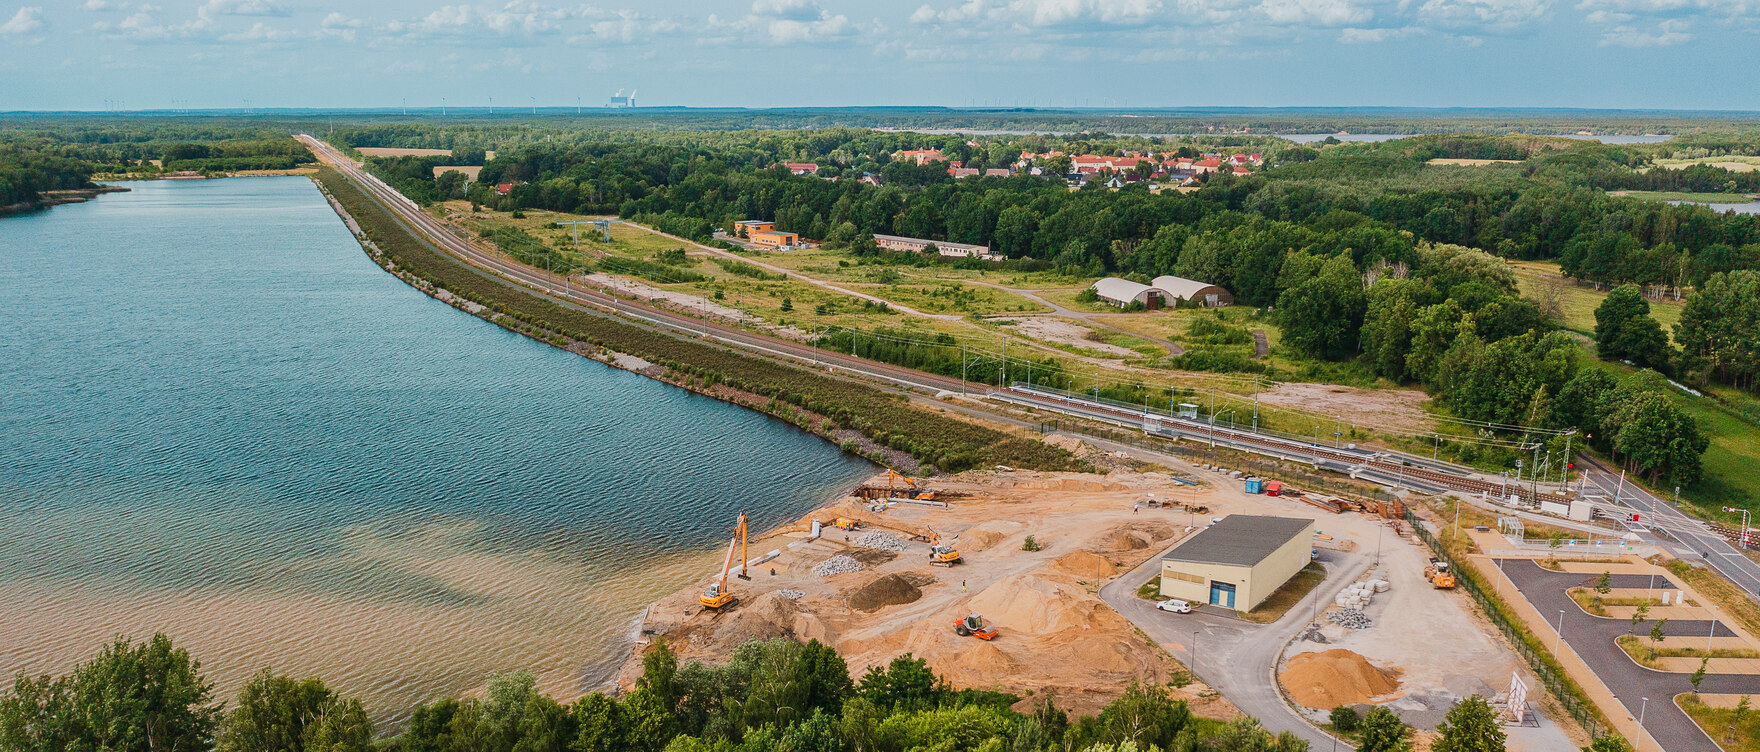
x: 1670, y: 54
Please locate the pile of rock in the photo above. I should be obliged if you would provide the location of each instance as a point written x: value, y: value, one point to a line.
x: 1359, y: 595
x: 880, y: 542
x: 838, y: 564
x: 1350, y: 618
x: 793, y: 595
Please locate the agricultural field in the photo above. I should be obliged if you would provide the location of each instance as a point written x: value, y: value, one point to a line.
x: 1731, y: 163
x: 1701, y: 198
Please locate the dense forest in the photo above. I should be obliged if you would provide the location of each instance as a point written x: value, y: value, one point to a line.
x: 62, y: 156
x: 771, y: 696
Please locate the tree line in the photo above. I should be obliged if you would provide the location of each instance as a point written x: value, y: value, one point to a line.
x: 769, y: 696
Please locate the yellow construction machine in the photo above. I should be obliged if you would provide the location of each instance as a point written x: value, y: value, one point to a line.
x: 941, y: 554
x: 916, y: 492
x: 717, y: 596
x: 1438, y: 575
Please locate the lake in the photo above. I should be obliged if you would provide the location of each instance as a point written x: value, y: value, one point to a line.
x: 220, y: 420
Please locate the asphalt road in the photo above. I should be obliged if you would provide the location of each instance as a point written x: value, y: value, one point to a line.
x: 1686, y: 537
x: 1592, y: 638
x: 1237, y: 658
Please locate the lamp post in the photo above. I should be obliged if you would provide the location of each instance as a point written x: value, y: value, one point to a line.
x: 1645, y: 705
x: 1560, y: 636
x: 1194, y: 652
x: 1213, y: 417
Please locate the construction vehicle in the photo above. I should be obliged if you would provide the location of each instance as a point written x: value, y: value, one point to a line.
x: 845, y: 523
x: 1439, y: 575
x: 916, y: 492
x: 941, y: 554
x: 973, y: 626
x: 717, y: 596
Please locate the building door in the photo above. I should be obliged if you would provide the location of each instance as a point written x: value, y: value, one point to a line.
x: 1222, y: 594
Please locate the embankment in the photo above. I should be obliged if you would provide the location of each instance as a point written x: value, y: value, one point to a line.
x: 883, y: 426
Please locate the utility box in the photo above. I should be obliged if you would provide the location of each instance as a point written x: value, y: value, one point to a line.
x: 1255, y: 485
x: 1582, y: 510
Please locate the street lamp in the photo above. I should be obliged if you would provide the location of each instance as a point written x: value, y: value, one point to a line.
x: 1645, y: 705
x: 1213, y: 417
x: 1194, y: 652
x: 1560, y: 637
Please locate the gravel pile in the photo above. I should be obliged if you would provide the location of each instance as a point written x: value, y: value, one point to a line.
x: 838, y: 564
x: 793, y: 595
x: 880, y: 542
x: 1350, y: 618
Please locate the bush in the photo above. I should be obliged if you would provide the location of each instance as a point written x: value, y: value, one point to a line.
x: 1344, y: 718
x: 1031, y: 545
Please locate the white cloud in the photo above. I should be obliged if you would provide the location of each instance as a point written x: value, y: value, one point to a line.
x: 786, y: 22
x: 243, y: 8
x: 1666, y: 34
x: 26, y: 20
x: 92, y: 5
x: 1373, y: 36
x: 1316, y: 12
x: 1041, y: 13
x: 1483, y: 16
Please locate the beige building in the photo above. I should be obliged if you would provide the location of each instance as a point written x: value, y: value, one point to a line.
x: 1239, y: 562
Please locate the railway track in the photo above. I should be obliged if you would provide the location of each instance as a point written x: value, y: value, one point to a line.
x: 1355, y: 462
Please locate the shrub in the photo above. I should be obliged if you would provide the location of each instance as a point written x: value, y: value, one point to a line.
x: 1031, y: 545
x: 1344, y: 718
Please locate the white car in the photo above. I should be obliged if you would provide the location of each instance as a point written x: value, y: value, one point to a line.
x: 1174, y: 605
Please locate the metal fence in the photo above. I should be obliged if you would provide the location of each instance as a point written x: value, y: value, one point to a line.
x: 1542, y: 664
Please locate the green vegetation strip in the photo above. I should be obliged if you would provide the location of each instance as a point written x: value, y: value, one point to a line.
x: 1734, y: 729
x: 944, y: 442
x: 1650, y: 656
x: 1288, y: 595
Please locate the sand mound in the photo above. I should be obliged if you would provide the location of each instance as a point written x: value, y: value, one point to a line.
x: 1134, y: 536
x: 891, y: 590
x: 766, y: 617
x: 987, y: 534
x: 984, y: 659
x: 1335, y: 677
x: 1034, y: 605
x: 1088, y: 566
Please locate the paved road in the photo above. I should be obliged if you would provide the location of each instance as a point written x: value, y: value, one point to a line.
x: 1687, y: 538
x: 1592, y: 638
x: 1237, y: 658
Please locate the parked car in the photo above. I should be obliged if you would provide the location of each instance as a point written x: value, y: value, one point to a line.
x: 1175, y: 605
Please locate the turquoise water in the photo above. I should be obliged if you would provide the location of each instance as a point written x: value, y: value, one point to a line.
x: 220, y: 420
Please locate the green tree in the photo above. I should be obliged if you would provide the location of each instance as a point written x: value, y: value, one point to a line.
x: 1144, y: 715
x: 904, y: 684
x: 1654, y: 436
x: 1321, y: 309
x: 1639, y: 616
x: 272, y: 714
x: 1387, y: 327
x: 1699, y: 673
x: 599, y: 722
x: 1470, y: 726
x: 1609, y: 743
x: 1719, y: 332
x: 1433, y: 333
x: 1624, y: 329
x: 343, y: 726
x: 1603, y: 586
x: 1345, y: 719
x: 149, y: 697
x: 1384, y: 732
x: 1657, y: 635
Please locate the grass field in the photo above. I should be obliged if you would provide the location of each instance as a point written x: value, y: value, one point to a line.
x: 1720, y: 724
x: 1702, y: 198
x: 1731, y: 163
x: 1538, y: 279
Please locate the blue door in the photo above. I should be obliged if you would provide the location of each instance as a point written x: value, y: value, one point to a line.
x: 1222, y: 594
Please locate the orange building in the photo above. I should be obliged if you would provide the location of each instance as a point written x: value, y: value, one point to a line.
x: 776, y: 239
x: 746, y: 227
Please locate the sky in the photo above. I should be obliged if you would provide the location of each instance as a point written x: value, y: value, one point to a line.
x: 198, y: 54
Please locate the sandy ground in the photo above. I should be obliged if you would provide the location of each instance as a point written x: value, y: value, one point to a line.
x: 692, y: 303
x: 1065, y: 332
x: 1056, y: 633
x: 1385, y: 408
x: 1430, y: 639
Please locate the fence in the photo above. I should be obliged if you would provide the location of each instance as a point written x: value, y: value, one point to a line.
x: 1250, y: 464
x: 1542, y: 664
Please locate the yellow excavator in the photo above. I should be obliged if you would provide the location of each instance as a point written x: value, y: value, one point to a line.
x: 941, y: 554
x: 717, y: 596
x: 916, y: 492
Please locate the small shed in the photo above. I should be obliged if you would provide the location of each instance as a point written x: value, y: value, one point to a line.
x: 1238, y: 562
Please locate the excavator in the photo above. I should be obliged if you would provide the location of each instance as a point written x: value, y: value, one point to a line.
x: 916, y: 492
x: 973, y: 626
x: 717, y: 596
x: 941, y: 554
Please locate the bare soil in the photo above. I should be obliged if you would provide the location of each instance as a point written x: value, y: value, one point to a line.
x: 1055, y: 633
x: 1066, y: 332
x: 1379, y: 408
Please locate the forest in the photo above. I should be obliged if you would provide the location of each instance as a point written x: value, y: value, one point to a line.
x: 769, y: 696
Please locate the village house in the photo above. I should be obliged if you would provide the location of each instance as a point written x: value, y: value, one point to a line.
x: 919, y: 156
x: 801, y: 168
x: 942, y: 247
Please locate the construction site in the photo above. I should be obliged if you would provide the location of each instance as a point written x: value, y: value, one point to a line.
x: 1036, y: 582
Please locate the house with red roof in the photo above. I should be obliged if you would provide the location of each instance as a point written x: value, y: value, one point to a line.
x: 801, y: 168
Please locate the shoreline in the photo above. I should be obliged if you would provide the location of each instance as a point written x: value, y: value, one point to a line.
x: 53, y: 199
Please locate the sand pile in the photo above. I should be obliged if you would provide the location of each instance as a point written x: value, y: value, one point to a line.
x: 1133, y: 536
x: 987, y: 534
x: 766, y: 617
x: 1086, y: 565
x: 891, y: 590
x: 1335, y: 677
x: 1034, y: 605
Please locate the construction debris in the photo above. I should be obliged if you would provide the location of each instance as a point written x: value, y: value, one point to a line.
x: 838, y: 564
x: 793, y: 595
x: 1350, y: 618
x: 880, y: 542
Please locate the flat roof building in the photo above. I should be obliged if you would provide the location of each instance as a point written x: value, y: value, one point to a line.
x: 745, y: 227
x: 1238, y: 562
x: 776, y: 239
x: 943, y: 247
